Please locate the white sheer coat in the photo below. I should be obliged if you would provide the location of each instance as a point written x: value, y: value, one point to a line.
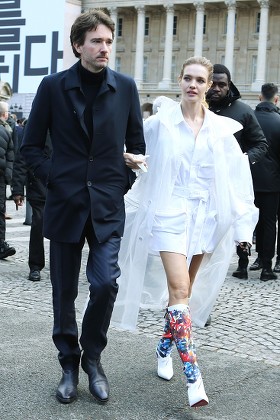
x: 143, y: 282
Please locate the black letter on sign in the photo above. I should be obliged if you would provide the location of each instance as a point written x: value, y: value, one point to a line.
x: 28, y: 71
x: 16, y: 73
x: 11, y: 4
x: 56, y: 55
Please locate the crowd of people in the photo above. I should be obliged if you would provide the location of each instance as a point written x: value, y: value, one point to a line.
x: 167, y: 199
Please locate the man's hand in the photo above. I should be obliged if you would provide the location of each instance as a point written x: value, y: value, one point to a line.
x: 246, y: 247
x: 136, y: 161
x: 18, y: 200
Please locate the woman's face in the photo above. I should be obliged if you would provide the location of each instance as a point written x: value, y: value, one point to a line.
x: 194, y: 83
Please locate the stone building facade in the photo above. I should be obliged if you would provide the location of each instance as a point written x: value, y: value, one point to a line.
x: 154, y: 37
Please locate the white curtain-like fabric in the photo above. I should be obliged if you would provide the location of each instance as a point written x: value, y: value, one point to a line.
x: 143, y: 282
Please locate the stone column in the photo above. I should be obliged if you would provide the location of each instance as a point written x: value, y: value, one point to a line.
x: 198, y: 43
x: 114, y: 16
x: 167, y: 63
x: 230, y: 34
x: 139, y: 56
x: 261, y: 60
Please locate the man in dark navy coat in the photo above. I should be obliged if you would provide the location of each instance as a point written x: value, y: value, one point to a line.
x: 94, y: 116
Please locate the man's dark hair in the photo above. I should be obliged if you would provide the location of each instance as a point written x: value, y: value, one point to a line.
x: 220, y: 68
x: 86, y: 22
x: 269, y: 90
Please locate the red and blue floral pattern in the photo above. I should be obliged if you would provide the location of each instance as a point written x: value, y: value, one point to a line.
x: 180, y: 327
x: 164, y: 347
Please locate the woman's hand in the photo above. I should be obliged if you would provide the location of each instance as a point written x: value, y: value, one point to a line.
x: 136, y: 161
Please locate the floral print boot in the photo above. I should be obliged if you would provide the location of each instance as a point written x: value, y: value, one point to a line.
x: 181, y: 329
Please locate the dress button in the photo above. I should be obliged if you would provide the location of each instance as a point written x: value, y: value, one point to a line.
x: 91, y: 158
x: 89, y: 184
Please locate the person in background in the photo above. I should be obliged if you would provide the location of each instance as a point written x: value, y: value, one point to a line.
x: 276, y: 268
x: 93, y: 115
x: 11, y: 120
x: 277, y: 263
x: 187, y: 212
x: 6, y: 170
x: 224, y: 99
x: 36, y: 197
x: 19, y: 128
x: 266, y: 177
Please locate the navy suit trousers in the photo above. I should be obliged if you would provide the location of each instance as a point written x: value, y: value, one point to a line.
x: 102, y: 271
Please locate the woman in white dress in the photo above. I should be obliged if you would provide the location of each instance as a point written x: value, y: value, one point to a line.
x: 194, y: 204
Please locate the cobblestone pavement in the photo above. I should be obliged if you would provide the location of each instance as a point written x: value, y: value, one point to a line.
x: 245, y: 320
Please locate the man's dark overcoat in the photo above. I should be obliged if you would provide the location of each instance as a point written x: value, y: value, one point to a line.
x: 267, y: 173
x: 84, y: 176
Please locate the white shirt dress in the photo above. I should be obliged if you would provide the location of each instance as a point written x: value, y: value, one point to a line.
x: 188, y: 213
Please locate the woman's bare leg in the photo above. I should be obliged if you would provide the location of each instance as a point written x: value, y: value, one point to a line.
x: 178, y: 279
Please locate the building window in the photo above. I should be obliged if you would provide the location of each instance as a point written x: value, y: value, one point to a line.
x: 120, y: 27
x: 147, y: 25
x: 145, y: 70
x: 226, y: 20
x: 258, y: 22
x: 254, y: 67
x: 175, y: 22
x: 118, y: 64
x: 204, y: 24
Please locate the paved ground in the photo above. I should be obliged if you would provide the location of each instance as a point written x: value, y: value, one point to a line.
x: 239, y: 354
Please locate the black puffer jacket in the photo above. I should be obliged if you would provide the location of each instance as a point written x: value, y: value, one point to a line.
x: 6, y: 153
x: 267, y: 173
x: 251, y: 138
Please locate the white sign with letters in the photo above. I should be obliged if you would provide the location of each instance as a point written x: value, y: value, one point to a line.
x: 31, y: 41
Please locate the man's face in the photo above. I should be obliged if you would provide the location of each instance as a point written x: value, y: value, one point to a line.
x: 96, y: 49
x: 5, y: 115
x: 219, y: 88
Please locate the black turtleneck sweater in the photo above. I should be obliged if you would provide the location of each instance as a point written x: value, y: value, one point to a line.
x: 91, y: 83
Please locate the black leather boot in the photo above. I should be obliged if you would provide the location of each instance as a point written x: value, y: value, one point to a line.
x: 98, y: 383
x: 67, y: 389
x: 267, y: 274
x: 6, y: 250
x: 240, y: 273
